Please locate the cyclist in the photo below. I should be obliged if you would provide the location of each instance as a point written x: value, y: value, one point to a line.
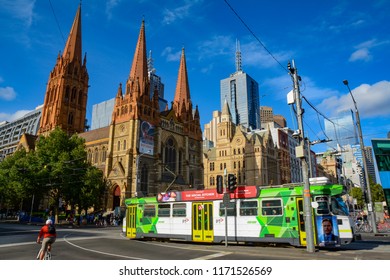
x: 46, y: 238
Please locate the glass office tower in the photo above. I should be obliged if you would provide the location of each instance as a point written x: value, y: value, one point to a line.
x: 242, y: 95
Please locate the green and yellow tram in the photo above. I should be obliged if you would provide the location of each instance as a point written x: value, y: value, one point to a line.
x: 253, y: 214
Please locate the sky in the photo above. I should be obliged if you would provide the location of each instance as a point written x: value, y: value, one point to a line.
x: 329, y: 41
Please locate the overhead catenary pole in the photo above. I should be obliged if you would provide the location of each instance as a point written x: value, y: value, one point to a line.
x: 370, y: 206
x: 300, y: 152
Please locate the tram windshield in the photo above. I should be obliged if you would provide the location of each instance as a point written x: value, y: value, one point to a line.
x: 338, y: 206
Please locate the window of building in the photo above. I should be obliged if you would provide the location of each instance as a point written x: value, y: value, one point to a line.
x: 170, y: 155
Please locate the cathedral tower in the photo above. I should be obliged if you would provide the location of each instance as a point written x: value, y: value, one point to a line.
x: 67, y: 88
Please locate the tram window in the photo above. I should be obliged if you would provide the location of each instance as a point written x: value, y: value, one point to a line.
x: 179, y: 210
x: 271, y: 207
x: 323, y: 205
x: 164, y: 210
x: 230, y: 211
x: 248, y: 208
x: 338, y: 206
x: 149, y: 211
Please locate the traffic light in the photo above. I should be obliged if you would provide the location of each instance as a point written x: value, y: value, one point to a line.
x: 232, y: 182
x: 219, y: 184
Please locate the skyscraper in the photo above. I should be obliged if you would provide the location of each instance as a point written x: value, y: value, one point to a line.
x: 242, y: 95
x: 342, y: 130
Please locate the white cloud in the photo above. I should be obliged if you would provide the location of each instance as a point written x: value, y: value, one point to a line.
x: 361, y: 54
x: 110, y: 5
x: 170, y: 55
x: 363, y: 50
x: 172, y: 15
x: 14, y: 116
x: 19, y: 9
x: 7, y: 93
x: 372, y: 101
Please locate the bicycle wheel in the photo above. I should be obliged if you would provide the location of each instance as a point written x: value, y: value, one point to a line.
x: 367, y: 228
x: 39, y: 253
x: 47, y: 255
x: 357, y: 228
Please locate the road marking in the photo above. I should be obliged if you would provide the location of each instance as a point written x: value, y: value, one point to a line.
x: 99, y: 252
x: 213, y: 256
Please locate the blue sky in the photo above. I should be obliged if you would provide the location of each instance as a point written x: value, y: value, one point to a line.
x: 330, y: 41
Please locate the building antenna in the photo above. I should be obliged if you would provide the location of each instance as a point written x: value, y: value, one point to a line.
x: 238, y: 57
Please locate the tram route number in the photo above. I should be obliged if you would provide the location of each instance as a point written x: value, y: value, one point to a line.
x: 242, y: 270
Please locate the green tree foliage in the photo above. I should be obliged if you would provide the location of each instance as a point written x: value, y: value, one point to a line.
x: 357, y: 194
x: 377, y: 193
x: 57, y: 168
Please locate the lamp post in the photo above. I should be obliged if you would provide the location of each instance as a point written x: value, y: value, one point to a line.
x: 370, y: 206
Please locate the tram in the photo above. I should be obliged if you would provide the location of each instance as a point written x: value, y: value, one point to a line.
x: 249, y: 214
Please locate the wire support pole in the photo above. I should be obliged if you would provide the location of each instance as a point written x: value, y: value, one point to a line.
x: 308, y: 213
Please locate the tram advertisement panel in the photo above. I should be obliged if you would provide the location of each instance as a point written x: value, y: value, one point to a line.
x: 327, y: 230
x: 210, y: 194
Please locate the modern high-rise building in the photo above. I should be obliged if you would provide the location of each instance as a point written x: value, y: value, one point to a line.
x: 11, y: 132
x: 341, y: 130
x: 242, y: 95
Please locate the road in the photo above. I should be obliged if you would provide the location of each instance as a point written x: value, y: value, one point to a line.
x: 17, y: 242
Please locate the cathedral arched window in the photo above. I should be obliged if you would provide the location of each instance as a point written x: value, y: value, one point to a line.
x: 170, y: 155
x: 119, y: 145
x: 124, y: 144
x: 96, y: 155
x: 89, y: 157
x: 67, y: 93
x: 80, y: 102
x: 144, y: 180
x: 73, y: 96
x: 104, y: 154
x: 70, y: 118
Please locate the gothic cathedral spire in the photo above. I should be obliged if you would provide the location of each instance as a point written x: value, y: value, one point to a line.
x: 182, y: 104
x: 182, y: 99
x: 66, y: 94
x: 136, y: 102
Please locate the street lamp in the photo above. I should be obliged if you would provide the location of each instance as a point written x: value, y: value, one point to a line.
x: 370, y: 206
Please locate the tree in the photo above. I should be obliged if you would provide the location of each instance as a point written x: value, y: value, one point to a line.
x: 57, y: 169
x: 357, y: 194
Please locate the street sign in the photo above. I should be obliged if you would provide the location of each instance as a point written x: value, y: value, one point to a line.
x: 226, y: 198
x: 228, y: 205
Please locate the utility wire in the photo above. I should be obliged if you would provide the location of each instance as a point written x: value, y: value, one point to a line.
x: 254, y: 35
x: 58, y: 25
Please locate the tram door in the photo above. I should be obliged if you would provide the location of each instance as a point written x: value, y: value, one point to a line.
x: 131, y: 224
x: 301, y: 223
x: 202, y: 222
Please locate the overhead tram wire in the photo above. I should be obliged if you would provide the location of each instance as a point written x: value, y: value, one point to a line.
x: 284, y: 68
x: 58, y: 25
x: 254, y: 35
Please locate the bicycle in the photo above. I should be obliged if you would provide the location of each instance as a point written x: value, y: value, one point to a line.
x: 47, y: 255
x: 362, y: 226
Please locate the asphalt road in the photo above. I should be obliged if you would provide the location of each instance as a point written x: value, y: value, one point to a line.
x: 17, y: 242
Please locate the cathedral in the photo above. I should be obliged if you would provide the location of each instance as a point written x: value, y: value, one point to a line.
x: 144, y: 151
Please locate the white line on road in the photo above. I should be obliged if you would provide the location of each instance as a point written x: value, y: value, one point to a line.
x: 213, y: 256
x: 100, y: 252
